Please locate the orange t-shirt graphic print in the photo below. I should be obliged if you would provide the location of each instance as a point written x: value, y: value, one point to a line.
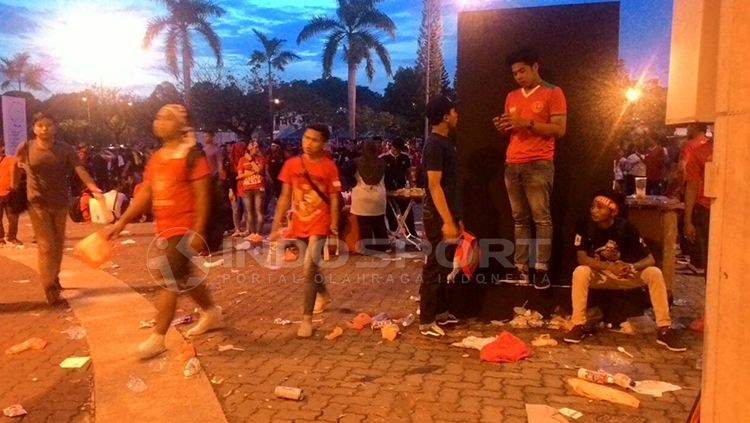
x: 173, y: 201
x: 539, y: 104
x: 310, y: 213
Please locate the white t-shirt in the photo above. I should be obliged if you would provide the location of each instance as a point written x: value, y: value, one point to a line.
x: 368, y: 200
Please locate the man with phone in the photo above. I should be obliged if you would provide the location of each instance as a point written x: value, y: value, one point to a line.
x: 534, y: 116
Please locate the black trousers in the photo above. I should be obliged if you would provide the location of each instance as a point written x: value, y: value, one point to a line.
x: 699, y: 248
x: 372, y: 233
x: 434, y: 290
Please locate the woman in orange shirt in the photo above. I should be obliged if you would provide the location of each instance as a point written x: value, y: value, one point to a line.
x: 251, y: 187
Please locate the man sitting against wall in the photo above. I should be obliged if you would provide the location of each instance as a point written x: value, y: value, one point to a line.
x: 612, y: 255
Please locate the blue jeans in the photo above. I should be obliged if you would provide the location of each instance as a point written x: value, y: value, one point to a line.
x: 529, y: 187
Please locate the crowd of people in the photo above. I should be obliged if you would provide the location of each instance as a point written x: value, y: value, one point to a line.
x: 294, y: 192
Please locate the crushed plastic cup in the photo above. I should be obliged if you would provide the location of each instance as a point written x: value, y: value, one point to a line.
x: 192, y: 368
x: 136, y: 384
x: 335, y: 333
x: 408, y: 320
x: 94, y: 250
x: 29, y: 344
x: 75, y: 332
x: 182, y: 320
x: 15, y: 410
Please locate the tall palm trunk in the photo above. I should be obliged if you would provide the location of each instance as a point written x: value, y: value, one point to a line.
x: 352, y: 100
x: 186, y: 64
x: 270, y: 99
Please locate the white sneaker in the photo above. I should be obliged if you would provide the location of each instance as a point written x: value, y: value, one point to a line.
x: 431, y: 329
x: 151, y: 347
x: 209, y: 319
x: 320, y: 303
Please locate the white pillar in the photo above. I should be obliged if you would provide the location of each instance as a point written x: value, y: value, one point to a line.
x: 726, y: 374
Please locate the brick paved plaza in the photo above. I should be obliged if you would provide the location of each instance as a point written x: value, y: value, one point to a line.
x: 358, y: 377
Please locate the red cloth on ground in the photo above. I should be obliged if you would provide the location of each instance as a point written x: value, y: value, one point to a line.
x: 506, y: 348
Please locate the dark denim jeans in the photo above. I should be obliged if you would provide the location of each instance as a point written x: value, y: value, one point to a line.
x: 529, y: 187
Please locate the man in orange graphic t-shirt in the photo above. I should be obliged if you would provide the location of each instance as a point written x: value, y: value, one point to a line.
x: 534, y: 116
x: 310, y: 186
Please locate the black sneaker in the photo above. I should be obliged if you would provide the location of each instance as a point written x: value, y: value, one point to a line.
x: 541, y: 279
x: 15, y: 241
x: 669, y: 338
x: 576, y: 334
x: 446, y: 319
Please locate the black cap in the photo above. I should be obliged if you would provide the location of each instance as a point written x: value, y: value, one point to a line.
x: 439, y: 107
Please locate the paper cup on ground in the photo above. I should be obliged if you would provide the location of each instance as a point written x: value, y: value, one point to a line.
x: 94, y: 250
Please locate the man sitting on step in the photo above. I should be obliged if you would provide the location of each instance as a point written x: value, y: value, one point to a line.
x: 612, y: 255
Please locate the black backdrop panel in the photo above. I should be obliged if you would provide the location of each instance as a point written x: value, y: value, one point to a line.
x: 578, y: 49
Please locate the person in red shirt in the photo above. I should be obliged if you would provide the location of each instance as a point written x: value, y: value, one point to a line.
x: 311, y: 186
x: 697, y: 205
x: 178, y: 193
x: 250, y: 187
x: 535, y: 115
x: 7, y: 164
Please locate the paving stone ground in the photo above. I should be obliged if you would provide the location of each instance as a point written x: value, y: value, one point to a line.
x: 359, y: 377
x: 34, y: 379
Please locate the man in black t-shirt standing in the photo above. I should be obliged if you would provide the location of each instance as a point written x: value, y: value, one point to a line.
x: 397, y: 172
x: 612, y: 255
x: 441, y: 216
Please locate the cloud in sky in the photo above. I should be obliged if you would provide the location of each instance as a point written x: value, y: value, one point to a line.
x: 88, y: 42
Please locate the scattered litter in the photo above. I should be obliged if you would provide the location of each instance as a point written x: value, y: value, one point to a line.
x: 68, y: 249
x: 126, y: 233
x: 287, y: 392
x: 109, y: 265
x: 603, y: 378
x: 499, y: 322
x: 75, y: 332
x: 15, y: 410
x: 22, y: 281
x: 473, y: 342
x: 192, y: 367
x: 626, y: 328
x: 605, y: 393
x: 558, y: 322
x: 655, y: 388
x: 74, y: 362
x: 389, y: 331
x: 680, y: 302
x: 642, y: 324
x: 229, y: 347
x: 29, y: 344
x: 624, y: 351
x: 335, y: 333
x: 540, y: 413
x: 211, y: 264
x: 235, y: 271
x: 297, y: 322
x: 242, y: 293
x: 379, y: 320
x: 182, y: 320
x: 156, y: 366
x: 569, y: 412
x: 406, y: 321
x: 526, y: 318
x: 217, y: 380
x: 544, y: 341
x: 230, y: 392
x: 465, y: 355
x: 244, y: 245
x: 616, y: 359
x: 505, y: 349
x: 360, y: 321
x: 136, y: 384
x: 415, y: 298
x: 282, y: 322
x: 145, y: 324
x: 127, y: 242
x: 185, y: 352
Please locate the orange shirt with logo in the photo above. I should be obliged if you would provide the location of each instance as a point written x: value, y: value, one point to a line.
x: 172, y: 197
x: 310, y: 214
x: 539, y: 105
x: 255, y: 180
x: 695, y: 170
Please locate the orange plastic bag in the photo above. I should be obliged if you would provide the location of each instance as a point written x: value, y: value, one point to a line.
x: 360, y: 321
x: 94, y: 250
x: 29, y: 344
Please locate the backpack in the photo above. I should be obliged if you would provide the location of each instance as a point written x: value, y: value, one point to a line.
x: 217, y: 212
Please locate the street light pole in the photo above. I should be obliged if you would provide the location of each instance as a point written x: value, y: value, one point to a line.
x: 88, y: 108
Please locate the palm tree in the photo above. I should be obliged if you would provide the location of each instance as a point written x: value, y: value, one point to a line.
x: 356, y: 19
x: 19, y: 70
x: 185, y: 16
x: 273, y: 58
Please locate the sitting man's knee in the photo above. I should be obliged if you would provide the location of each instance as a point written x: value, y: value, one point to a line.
x: 651, y: 273
x: 582, y: 273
